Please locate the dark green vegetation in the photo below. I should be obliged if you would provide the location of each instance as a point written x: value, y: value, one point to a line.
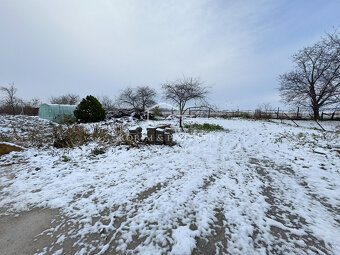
x: 203, y: 127
x: 244, y: 115
x: 90, y: 110
x: 98, y: 151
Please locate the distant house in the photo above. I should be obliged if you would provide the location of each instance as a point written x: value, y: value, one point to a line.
x: 57, y: 112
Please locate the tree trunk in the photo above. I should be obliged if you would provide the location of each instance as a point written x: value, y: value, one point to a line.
x: 13, y: 109
x: 316, y: 112
x: 181, y: 110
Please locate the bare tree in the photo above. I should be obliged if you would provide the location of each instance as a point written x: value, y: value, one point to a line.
x: 9, y: 99
x: 145, y: 97
x: 71, y: 99
x: 315, y: 80
x: 33, y: 103
x: 128, y: 98
x: 107, y: 103
x: 137, y: 98
x: 182, y: 91
x: 266, y: 107
x: 263, y: 111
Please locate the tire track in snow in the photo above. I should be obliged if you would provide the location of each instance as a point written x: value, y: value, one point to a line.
x: 285, y: 226
x: 198, y: 193
x: 122, y: 223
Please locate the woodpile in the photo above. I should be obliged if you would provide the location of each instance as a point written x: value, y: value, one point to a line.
x: 160, y: 135
x: 135, y: 134
x: 168, y: 140
x: 151, y: 135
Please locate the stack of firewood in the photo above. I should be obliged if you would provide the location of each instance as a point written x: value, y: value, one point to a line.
x: 162, y: 134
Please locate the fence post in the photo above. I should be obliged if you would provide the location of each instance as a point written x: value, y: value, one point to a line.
x: 209, y: 114
x: 320, y: 125
x: 292, y: 120
x: 297, y: 114
x: 278, y: 111
x: 322, y: 116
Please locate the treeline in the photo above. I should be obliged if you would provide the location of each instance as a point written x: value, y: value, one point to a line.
x: 180, y: 93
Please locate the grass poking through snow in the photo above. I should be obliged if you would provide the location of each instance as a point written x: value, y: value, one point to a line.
x: 203, y: 127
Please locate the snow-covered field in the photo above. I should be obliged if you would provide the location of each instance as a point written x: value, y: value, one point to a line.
x: 257, y: 188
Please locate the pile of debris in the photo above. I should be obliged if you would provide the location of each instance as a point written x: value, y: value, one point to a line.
x: 162, y: 134
x: 138, y: 114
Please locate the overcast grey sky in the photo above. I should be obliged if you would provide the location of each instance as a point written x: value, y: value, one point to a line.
x: 238, y: 48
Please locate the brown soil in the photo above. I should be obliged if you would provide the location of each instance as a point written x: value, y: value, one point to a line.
x: 5, y: 148
x: 17, y: 233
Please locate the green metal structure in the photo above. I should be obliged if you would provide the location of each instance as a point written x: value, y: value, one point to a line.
x: 57, y: 112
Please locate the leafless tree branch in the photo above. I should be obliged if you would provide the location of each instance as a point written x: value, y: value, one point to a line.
x: 141, y: 97
x: 70, y: 99
x: 315, y: 80
x: 9, y: 99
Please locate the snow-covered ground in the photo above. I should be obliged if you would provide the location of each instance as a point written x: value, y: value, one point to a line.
x: 257, y: 188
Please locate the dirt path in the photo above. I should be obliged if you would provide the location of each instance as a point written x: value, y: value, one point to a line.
x: 19, y: 234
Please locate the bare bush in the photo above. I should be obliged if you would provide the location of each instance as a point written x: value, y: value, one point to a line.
x: 33, y: 103
x: 70, y: 137
x: 78, y: 135
x: 263, y: 111
x: 70, y: 99
x: 9, y: 98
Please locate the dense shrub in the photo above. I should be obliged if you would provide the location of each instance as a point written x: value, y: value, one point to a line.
x: 90, y: 110
x: 97, y: 151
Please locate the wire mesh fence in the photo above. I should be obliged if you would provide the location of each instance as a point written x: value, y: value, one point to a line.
x: 258, y: 114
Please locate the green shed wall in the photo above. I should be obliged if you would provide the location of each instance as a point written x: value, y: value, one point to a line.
x: 57, y: 112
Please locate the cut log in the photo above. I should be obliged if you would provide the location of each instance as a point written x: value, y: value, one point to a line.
x: 159, y: 136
